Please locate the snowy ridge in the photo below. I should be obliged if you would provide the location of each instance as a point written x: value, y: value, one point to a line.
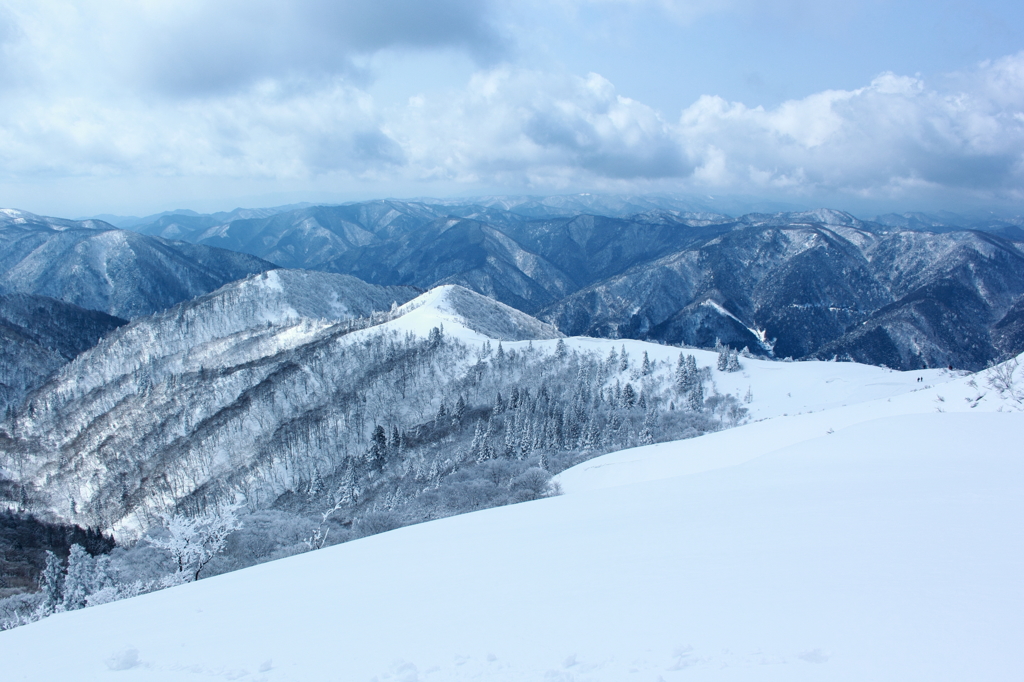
x: 199, y: 396
x: 887, y: 549
x: 470, y: 317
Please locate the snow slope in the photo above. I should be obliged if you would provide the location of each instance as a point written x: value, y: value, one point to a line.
x: 888, y: 549
x: 469, y: 316
x: 952, y: 392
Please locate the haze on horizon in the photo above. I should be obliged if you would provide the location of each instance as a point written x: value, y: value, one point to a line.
x: 132, y: 107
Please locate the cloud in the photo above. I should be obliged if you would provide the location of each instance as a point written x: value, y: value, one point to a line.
x: 529, y: 128
x: 269, y: 92
x: 882, y: 140
x: 200, y: 47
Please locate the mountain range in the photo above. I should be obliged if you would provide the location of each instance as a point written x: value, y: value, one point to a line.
x: 96, y: 266
x: 904, y: 291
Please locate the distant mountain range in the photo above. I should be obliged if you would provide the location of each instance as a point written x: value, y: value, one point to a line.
x: 906, y: 290
x: 94, y: 265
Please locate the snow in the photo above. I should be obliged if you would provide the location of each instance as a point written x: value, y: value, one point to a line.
x: 874, y: 541
x: 468, y: 317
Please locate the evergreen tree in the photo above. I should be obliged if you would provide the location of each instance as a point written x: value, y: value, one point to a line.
x: 680, y: 375
x: 623, y: 359
x: 695, y: 398
x: 78, y: 579
x: 733, y: 362
x: 691, y: 371
x: 476, y: 447
x: 645, y: 366
x: 436, y: 336
x: 650, y: 425
x: 378, y: 452
x: 51, y: 583
x: 628, y: 395
x: 460, y: 409
x: 560, y: 350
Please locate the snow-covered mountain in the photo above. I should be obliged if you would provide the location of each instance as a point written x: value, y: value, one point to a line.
x: 877, y: 540
x: 38, y: 335
x: 905, y: 299
x: 260, y: 386
x: 822, y: 283
x: 95, y: 266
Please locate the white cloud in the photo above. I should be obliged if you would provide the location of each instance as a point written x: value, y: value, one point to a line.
x: 882, y: 139
x: 90, y: 98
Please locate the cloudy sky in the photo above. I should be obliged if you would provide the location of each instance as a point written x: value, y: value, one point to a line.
x: 137, y: 106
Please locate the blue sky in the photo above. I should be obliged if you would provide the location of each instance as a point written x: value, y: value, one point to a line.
x: 132, y: 107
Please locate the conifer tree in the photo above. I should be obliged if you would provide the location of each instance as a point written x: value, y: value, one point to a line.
x: 680, y: 376
x: 733, y: 362
x: 695, y: 398
x: 650, y: 424
x: 51, y: 583
x: 78, y: 579
x: 378, y: 452
x: 628, y: 395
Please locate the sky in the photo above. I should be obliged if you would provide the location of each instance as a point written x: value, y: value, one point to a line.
x: 131, y: 107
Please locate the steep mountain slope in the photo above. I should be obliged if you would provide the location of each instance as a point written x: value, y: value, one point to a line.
x: 903, y: 299
x: 261, y: 387
x: 887, y: 547
x: 38, y: 335
x: 95, y: 266
x: 804, y: 284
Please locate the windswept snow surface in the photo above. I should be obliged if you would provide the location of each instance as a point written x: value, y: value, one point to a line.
x: 879, y: 541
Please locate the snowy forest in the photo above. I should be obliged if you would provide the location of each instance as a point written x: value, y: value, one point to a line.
x: 357, y: 430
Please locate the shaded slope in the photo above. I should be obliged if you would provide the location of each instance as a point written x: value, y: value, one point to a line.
x: 98, y: 267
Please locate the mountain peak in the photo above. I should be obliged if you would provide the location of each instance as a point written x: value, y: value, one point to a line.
x: 470, y: 316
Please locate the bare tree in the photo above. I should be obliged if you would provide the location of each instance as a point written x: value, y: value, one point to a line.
x: 192, y: 541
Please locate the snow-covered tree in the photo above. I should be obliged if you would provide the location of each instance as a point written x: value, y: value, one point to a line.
x: 51, y: 583
x: 733, y: 362
x: 79, y: 579
x: 723, y: 356
x: 192, y: 541
x: 695, y: 398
